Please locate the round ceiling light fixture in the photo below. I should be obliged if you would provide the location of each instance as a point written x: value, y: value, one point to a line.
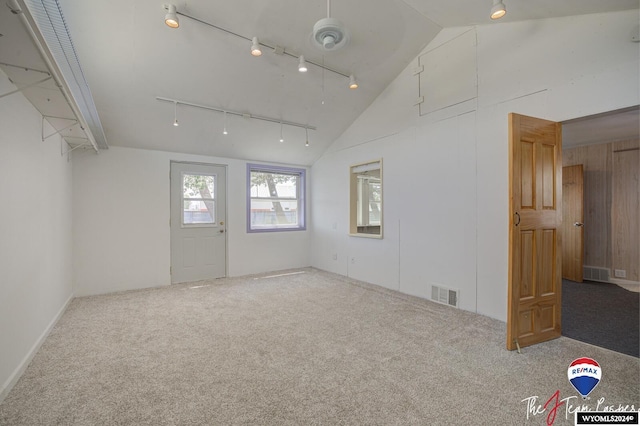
x: 330, y: 35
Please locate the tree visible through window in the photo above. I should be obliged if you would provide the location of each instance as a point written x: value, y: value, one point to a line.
x: 198, y: 199
x: 275, y: 198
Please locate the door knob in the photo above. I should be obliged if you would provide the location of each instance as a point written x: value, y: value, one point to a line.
x: 578, y: 224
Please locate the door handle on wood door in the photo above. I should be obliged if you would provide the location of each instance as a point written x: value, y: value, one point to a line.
x: 518, y: 216
x: 578, y: 224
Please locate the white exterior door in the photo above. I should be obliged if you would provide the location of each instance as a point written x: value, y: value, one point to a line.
x: 198, y: 222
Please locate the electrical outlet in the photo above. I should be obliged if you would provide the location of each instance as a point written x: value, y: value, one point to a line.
x: 620, y: 273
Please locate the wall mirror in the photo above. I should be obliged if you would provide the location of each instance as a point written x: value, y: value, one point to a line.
x: 365, y: 201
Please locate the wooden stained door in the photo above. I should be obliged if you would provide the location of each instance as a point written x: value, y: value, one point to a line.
x: 572, y: 222
x: 535, y: 253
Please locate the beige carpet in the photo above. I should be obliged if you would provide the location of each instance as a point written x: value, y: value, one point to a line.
x: 630, y: 286
x: 303, y: 349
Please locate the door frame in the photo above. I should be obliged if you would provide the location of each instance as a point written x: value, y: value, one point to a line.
x: 226, y: 211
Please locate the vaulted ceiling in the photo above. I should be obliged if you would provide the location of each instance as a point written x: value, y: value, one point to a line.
x: 130, y: 58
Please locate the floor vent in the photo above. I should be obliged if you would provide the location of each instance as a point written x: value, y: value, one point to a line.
x: 444, y: 295
x: 595, y: 274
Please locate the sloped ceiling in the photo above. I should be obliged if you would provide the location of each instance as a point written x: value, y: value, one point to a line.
x: 130, y: 58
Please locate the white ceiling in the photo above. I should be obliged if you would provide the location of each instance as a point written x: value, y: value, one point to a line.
x: 130, y: 57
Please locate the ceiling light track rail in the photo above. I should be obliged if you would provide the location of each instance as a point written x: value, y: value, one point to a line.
x: 237, y: 113
x: 261, y: 43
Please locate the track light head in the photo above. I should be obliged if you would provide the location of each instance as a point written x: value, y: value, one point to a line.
x: 302, y: 66
x: 171, y: 18
x: 353, y: 84
x: 306, y: 132
x: 498, y: 10
x: 255, y: 47
x: 175, y: 114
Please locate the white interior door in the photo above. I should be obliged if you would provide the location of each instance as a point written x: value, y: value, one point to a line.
x: 198, y: 222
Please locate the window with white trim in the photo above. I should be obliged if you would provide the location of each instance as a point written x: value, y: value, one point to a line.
x: 275, y: 198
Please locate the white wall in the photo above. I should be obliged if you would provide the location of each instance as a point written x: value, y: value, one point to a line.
x: 446, y: 172
x: 35, y: 234
x: 121, y: 222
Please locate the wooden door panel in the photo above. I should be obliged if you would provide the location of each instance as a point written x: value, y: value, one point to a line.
x: 534, y: 248
x: 548, y: 186
x: 537, y: 219
x: 527, y: 176
x: 527, y: 248
x: 547, y: 262
x: 547, y: 318
x: 525, y: 324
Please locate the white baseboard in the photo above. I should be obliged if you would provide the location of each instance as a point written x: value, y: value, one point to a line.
x: 13, y: 379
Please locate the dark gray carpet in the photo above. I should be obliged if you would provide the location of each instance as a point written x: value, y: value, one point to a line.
x: 602, y: 314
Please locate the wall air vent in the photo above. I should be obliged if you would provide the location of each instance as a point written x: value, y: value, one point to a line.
x: 596, y: 274
x: 444, y: 295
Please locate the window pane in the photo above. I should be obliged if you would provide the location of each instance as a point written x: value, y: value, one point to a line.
x: 198, y: 212
x: 273, y: 185
x: 198, y: 192
x: 198, y: 186
x: 275, y: 199
x: 375, y: 204
x: 277, y: 214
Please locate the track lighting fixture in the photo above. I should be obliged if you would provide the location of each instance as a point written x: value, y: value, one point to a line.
x: 224, y: 129
x: 175, y: 114
x: 353, y: 84
x: 171, y: 18
x: 302, y: 66
x: 498, y: 10
x: 243, y: 114
x: 255, y: 47
x: 328, y: 38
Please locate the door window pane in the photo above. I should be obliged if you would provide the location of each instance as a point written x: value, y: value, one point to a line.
x: 198, y: 199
